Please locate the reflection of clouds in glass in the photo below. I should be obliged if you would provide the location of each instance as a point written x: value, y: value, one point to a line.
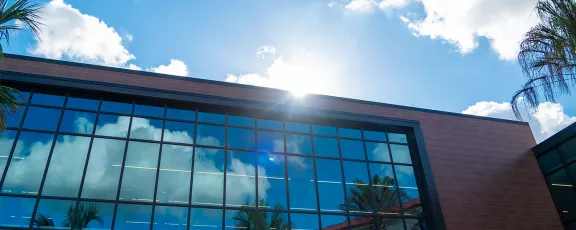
x: 378, y: 151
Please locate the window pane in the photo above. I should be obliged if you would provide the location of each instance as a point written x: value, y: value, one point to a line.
x: 241, y: 121
x: 301, y: 183
x: 179, y: 132
x: 373, y: 135
x: 47, y: 99
x: 105, y: 211
x: 133, y: 216
x: 24, y: 96
x: 78, y: 122
x: 269, y: 124
x: 147, y: 110
x: 180, y: 114
x: 174, y: 178
x: 274, y: 220
x: 103, y: 171
x: 28, y: 163
x: 572, y: 172
x: 112, y: 125
x: 334, y: 222
x: 236, y: 219
x: 52, y: 213
x: 82, y: 103
x: 364, y: 222
x: 6, y: 141
x: 241, y: 138
x: 208, y: 184
x: 416, y: 224
x: 400, y: 154
x: 324, y: 146
x: 146, y: 129
x: 297, y: 127
x: 18, y: 215
x: 42, y: 118
x: 240, y: 179
x: 116, y: 107
x: 14, y: 118
x: 304, y: 221
x: 384, y: 188
x: 166, y: 217
x: 352, y: 149
x: 139, y: 175
x: 298, y: 144
x: 350, y: 133
x: 324, y: 130
x: 211, y: 135
x: 272, y: 181
x: 398, y: 138
x: 270, y: 141
x: 359, y: 195
x: 408, y: 190
x: 563, y: 194
x: 568, y: 150
x: 392, y: 223
x: 205, y: 219
x: 378, y: 151
x: 330, y: 187
x: 212, y: 118
x: 66, y: 166
x: 549, y: 161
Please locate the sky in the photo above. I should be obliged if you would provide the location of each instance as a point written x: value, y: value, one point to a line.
x: 449, y: 55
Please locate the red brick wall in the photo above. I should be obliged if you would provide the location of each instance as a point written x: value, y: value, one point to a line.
x: 485, y: 174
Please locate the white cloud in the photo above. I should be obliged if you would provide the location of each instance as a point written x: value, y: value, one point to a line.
x: 386, y: 4
x: 129, y: 37
x: 79, y: 37
x: 362, y: 5
x: 133, y: 67
x: 266, y: 52
x: 176, y: 67
x: 404, y: 19
x: 545, y: 121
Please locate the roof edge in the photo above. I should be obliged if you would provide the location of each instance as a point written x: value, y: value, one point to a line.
x: 555, y: 140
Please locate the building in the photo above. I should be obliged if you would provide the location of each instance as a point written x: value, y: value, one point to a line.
x: 556, y: 157
x: 143, y: 150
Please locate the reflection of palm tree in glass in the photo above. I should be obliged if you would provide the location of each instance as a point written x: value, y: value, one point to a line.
x: 381, y: 197
x: 268, y: 220
x: 74, y: 220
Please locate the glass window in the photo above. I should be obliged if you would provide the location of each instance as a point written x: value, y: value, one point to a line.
x: 274, y: 221
x: 133, y: 216
x: 415, y: 224
x: 269, y: 124
x: 212, y: 118
x: 139, y: 176
x: 14, y: 118
x: 150, y: 111
x: 298, y: 144
x: 272, y: 181
x: 6, y: 141
x: 324, y: 146
x: 398, y: 138
x: 82, y: 103
x: 208, y: 178
x: 112, y: 125
x: 66, y: 166
x: 304, y: 221
x: 46, y: 99
x: 297, y: 127
x: 572, y: 172
x: 18, y: 215
x: 301, y: 183
x: 24, y: 96
x: 563, y: 194
x: 179, y: 132
x: 400, y: 154
x: 105, y: 212
x: 240, y: 219
x: 378, y: 151
x: 53, y: 214
x: 241, y: 121
x: 383, y: 186
x: 408, y: 190
x: 568, y: 150
x: 364, y: 222
x: 42, y: 118
x: 549, y: 161
x: 166, y: 217
x: 28, y: 163
x: 241, y: 138
x: 205, y: 219
x: 373, y: 135
x: 78, y: 122
x: 211, y: 135
x: 270, y: 141
x: 324, y: 130
x: 352, y: 149
x: 146, y: 129
x: 174, y: 178
x: 330, y: 187
x: 240, y: 179
x: 181, y: 114
x: 116, y: 107
x: 350, y: 133
x: 392, y: 223
x: 359, y: 195
x: 103, y: 171
x: 334, y: 222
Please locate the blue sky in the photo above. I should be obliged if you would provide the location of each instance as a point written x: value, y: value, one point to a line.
x: 443, y: 55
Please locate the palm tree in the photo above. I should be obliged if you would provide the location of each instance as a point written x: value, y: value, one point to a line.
x: 547, y: 54
x: 21, y: 12
x: 74, y: 220
x: 42, y: 220
x: 381, y: 197
x: 263, y: 220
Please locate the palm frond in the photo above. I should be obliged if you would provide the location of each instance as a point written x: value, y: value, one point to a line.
x: 9, y: 99
x: 24, y: 11
x: 41, y: 220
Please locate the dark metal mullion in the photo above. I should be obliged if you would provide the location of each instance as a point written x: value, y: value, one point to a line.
x: 343, y: 178
x: 397, y: 184
x: 255, y: 166
x: 55, y: 139
x: 373, y: 195
x: 192, y: 168
x: 122, y: 169
x: 154, y: 201
x: 286, y: 179
x: 316, y: 184
x: 224, y: 206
